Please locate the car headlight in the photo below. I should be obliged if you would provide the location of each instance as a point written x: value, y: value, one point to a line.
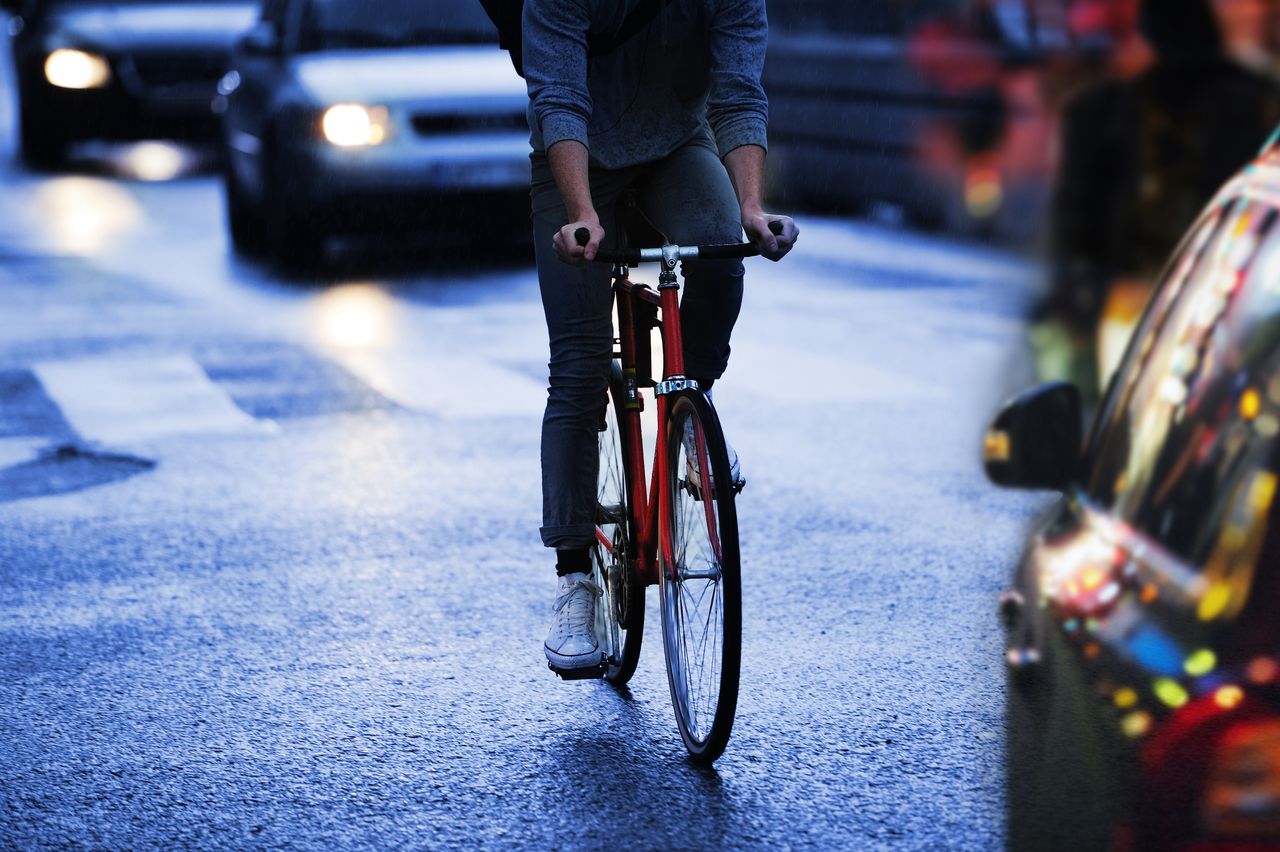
x: 354, y: 126
x: 76, y: 69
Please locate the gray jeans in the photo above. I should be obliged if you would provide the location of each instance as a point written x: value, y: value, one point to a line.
x: 689, y: 198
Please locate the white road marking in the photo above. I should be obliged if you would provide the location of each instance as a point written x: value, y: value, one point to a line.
x: 828, y: 241
x: 19, y: 450
x: 788, y: 374
x: 450, y: 386
x: 119, y: 401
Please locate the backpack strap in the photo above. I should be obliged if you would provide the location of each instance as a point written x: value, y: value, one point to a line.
x: 506, y: 16
x: 641, y: 16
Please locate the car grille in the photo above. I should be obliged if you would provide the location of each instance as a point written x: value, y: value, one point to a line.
x: 444, y: 125
x: 166, y: 70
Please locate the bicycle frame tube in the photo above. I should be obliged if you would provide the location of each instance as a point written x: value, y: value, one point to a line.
x: 626, y: 292
x: 647, y: 507
x: 672, y: 365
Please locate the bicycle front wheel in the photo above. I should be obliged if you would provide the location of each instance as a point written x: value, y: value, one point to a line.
x: 701, y: 585
x: 620, y: 615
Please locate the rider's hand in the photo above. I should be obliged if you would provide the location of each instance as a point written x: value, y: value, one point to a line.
x: 773, y: 246
x: 566, y: 243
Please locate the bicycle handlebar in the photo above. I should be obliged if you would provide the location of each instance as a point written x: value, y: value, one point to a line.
x: 630, y: 257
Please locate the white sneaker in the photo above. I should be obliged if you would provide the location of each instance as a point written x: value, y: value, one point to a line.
x: 691, y: 459
x: 572, y: 642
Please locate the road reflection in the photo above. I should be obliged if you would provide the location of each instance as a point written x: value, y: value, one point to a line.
x: 354, y: 316
x: 155, y: 161
x: 83, y: 215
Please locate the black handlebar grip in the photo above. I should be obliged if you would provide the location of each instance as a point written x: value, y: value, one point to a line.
x: 583, y: 236
x: 776, y: 227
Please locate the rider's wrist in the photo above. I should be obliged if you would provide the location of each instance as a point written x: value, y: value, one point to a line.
x: 585, y: 215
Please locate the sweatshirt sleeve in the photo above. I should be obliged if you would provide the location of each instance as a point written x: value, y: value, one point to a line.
x: 555, y: 67
x: 737, y: 108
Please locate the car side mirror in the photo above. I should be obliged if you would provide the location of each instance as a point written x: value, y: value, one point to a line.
x: 1035, y: 440
x: 261, y: 40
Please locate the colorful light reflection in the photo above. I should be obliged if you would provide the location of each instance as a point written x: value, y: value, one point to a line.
x: 1228, y: 697
x: 1200, y: 663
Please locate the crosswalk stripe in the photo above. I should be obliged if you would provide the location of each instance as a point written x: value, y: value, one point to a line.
x: 18, y: 450
x: 119, y: 401
x: 787, y: 374
x: 453, y: 387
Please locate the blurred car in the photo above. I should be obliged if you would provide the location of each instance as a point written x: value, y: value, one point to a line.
x: 119, y: 69
x: 344, y: 117
x: 1144, y: 623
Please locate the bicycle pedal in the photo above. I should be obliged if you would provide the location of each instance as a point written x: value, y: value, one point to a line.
x: 585, y: 673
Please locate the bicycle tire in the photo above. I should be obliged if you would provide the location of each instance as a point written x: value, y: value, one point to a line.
x: 700, y: 568
x: 620, y: 617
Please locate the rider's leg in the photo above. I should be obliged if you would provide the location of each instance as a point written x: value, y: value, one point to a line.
x: 577, y: 303
x: 688, y: 196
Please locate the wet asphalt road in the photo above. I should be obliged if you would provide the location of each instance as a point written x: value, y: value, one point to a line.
x: 270, y: 576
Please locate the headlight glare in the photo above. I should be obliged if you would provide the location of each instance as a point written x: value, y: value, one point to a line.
x: 354, y: 126
x: 76, y: 69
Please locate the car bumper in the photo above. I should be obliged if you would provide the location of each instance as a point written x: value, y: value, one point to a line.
x: 485, y: 215
x: 116, y: 113
x: 428, y: 183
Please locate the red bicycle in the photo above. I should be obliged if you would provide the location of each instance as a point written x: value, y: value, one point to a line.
x: 681, y: 533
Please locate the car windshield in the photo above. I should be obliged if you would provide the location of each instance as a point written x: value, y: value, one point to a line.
x: 1185, y: 449
x: 339, y: 24
x: 66, y: 5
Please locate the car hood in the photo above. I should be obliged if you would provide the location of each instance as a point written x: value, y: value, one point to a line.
x: 213, y: 26
x: 407, y: 75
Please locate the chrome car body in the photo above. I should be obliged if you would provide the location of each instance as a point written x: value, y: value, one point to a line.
x: 119, y: 69
x: 1144, y: 623
x: 440, y: 142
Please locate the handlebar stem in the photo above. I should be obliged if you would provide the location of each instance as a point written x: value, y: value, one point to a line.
x: 670, y: 256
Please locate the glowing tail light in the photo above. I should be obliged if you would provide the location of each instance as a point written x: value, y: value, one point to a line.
x: 1210, y: 776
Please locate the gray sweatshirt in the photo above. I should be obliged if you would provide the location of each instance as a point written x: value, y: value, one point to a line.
x: 695, y: 70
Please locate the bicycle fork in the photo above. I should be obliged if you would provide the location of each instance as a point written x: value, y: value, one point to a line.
x: 653, y: 518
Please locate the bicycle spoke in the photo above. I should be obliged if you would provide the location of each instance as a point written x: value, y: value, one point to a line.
x: 690, y: 706
x: 620, y: 619
x: 709, y: 632
x: 699, y: 607
x: 692, y: 648
x: 703, y: 679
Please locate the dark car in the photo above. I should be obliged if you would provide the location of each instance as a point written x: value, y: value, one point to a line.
x: 1144, y: 624
x: 348, y: 117
x: 119, y: 69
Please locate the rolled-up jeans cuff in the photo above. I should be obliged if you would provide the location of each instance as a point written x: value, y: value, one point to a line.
x: 704, y: 371
x: 569, y: 535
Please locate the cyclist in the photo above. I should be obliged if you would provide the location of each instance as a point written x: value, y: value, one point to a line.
x: 676, y: 113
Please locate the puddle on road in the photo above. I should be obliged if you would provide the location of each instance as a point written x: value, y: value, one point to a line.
x: 67, y: 469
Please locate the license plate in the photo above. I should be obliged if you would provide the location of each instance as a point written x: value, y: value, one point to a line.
x: 492, y: 173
